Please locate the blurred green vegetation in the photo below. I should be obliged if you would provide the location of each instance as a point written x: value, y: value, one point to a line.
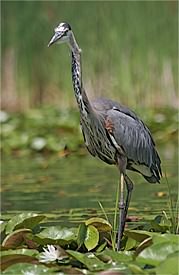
x: 46, y: 130
x: 52, y: 130
x: 129, y: 52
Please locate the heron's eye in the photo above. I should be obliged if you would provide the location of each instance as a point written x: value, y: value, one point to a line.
x: 65, y: 31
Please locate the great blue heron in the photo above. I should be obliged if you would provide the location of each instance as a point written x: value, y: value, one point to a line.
x: 111, y: 131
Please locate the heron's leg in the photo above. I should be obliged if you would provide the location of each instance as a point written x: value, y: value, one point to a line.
x: 123, y: 207
x: 121, y: 213
x: 129, y: 185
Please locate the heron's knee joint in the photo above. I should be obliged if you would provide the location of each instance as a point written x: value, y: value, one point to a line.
x: 121, y: 205
x: 130, y: 186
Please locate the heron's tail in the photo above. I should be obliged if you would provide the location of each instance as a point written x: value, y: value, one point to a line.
x: 155, y: 171
x: 152, y: 179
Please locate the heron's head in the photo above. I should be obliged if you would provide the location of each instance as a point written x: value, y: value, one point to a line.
x: 61, y: 35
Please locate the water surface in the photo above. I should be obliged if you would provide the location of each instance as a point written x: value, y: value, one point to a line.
x: 70, y: 188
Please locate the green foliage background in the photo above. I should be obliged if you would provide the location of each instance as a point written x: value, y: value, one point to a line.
x: 129, y: 52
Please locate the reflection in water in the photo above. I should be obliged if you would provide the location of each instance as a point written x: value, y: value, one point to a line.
x: 70, y: 188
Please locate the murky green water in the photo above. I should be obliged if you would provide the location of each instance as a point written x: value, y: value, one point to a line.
x: 70, y: 188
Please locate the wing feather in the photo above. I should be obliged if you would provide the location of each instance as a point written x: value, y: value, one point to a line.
x: 132, y: 134
x: 135, y: 138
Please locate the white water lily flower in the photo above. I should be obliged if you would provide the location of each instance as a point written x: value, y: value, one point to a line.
x: 50, y: 254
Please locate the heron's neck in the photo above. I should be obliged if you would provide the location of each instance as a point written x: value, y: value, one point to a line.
x: 80, y: 94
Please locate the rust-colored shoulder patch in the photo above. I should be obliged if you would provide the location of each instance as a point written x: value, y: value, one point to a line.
x: 109, y: 125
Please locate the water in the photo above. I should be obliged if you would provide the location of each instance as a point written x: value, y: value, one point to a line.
x: 70, y: 188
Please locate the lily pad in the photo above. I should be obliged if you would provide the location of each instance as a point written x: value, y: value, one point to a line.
x: 24, y: 220
x: 137, y: 235
x: 92, y: 237
x: 101, y: 247
x: 9, y: 260
x: 157, y: 238
x: 89, y: 260
x: 30, y: 242
x: 56, y: 235
x: 169, y: 265
x: 131, y: 243
x: 147, y: 242
x: 156, y: 253
x: 117, y: 257
x: 22, y: 251
x: 15, y: 239
x: 81, y: 234
x: 2, y: 226
x: 24, y: 268
x: 101, y: 224
x: 136, y: 269
x: 160, y: 224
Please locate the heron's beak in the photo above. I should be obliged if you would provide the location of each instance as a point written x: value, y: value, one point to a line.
x: 55, y: 38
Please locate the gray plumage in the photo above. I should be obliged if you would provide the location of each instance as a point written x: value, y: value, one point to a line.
x: 111, y: 131
x: 133, y: 136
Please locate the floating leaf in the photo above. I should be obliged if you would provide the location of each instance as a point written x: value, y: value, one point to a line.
x: 15, y: 239
x: 29, y: 241
x: 160, y: 224
x: 24, y: 268
x: 101, y: 247
x: 57, y: 232
x: 88, y: 259
x: 8, y: 260
x: 92, y: 237
x: 101, y: 224
x: 156, y: 238
x: 81, y: 234
x: 24, y: 220
x: 156, y: 253
x: 136, y: 269
x: 3, y: 226
x: 147, y: 242
x: 137, y: 235
x: 131, y: 243
x: 117, y: 256
x: 56, y: 235
x: 169, y: 265
x: 22, y: 251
